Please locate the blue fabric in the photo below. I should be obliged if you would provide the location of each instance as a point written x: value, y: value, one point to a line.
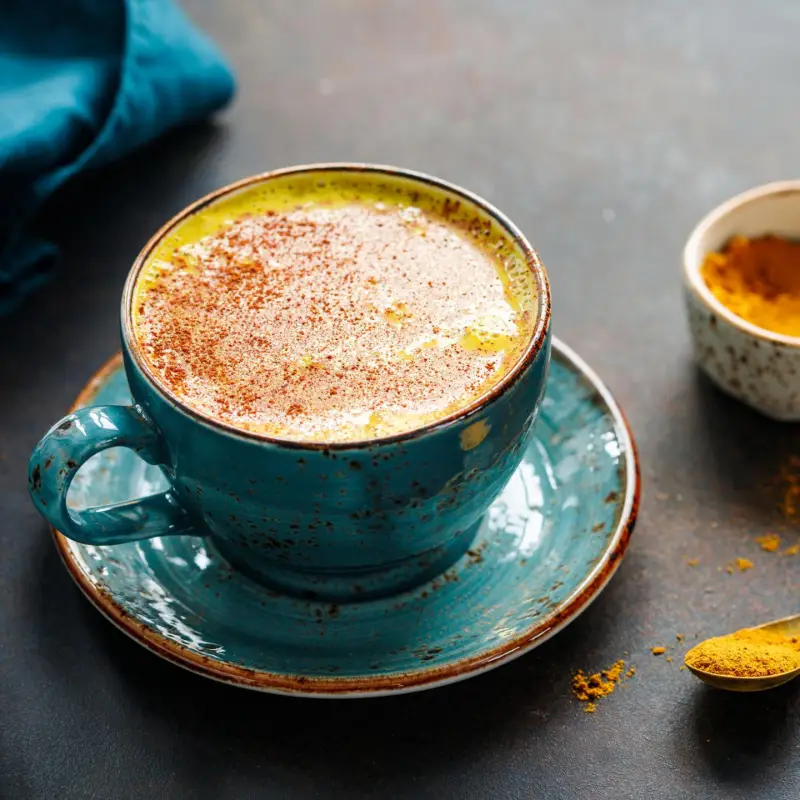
x: 83, y: 82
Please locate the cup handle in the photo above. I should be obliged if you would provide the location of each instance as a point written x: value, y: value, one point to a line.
x: 68, y: 445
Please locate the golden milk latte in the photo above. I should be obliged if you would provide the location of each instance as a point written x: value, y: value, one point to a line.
x: 333, y: 306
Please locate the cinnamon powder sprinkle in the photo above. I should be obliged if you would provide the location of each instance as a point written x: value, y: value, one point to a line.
x: 332, y: 322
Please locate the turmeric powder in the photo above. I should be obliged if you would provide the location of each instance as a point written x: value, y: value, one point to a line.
x: 742, y: 564
x: 590, y: 688
x: 758, y: 280
x: 787, y: 484
x: 748, y: 653
x: 769, y: 542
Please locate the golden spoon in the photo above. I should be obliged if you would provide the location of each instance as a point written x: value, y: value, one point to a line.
x: 789, y: 627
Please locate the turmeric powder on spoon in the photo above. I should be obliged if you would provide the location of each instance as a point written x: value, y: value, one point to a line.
x: 748, y: 653
x: 758, y: 280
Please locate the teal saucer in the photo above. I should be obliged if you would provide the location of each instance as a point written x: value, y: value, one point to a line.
x: 545, y: 550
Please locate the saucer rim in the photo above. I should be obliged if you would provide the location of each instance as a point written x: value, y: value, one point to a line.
x: 400, y: 683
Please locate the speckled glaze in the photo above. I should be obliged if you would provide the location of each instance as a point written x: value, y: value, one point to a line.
x: 339, y: 521
x: 547, y: 546
x: 756, y: 366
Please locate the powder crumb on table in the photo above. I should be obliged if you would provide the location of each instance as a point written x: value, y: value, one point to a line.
x: 692, y: 562
x: 793, y: 550
x: 680, y: 637
x: 769, y: 542
x: 658, y: 651
x: 590, y: 688
x: 786, y: 485
x: 742, y: 564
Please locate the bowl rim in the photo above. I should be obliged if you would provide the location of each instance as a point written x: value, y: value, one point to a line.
x: 537, y: 340
x: 693, y: 259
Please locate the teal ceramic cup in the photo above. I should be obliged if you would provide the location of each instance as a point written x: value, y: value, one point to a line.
x: 341, y: 521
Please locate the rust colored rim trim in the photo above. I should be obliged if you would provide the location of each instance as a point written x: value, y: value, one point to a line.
x: 300, y: 685
x: 507, y: 381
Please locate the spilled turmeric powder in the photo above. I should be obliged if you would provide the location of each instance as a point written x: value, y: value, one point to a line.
x: 742, y: 564
x: 748, y: 653
x: 769, y: 542
x: 758, y: 280
x: 590, y: 688
x: 787, y: 485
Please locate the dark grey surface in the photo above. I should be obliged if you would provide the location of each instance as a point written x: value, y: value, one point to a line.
x: 605, y: 130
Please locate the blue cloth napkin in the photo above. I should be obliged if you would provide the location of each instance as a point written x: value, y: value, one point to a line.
x: 83, y: 82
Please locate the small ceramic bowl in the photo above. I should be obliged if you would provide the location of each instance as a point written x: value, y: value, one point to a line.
x: 755, y: 365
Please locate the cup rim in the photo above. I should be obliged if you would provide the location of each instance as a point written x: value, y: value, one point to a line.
x: 535, y: 343
x: 693, y: 259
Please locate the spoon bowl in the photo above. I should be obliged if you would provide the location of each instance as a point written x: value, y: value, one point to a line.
x: 787, y: 626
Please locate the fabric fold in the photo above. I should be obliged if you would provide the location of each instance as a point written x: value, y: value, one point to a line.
x: 98, y: 80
